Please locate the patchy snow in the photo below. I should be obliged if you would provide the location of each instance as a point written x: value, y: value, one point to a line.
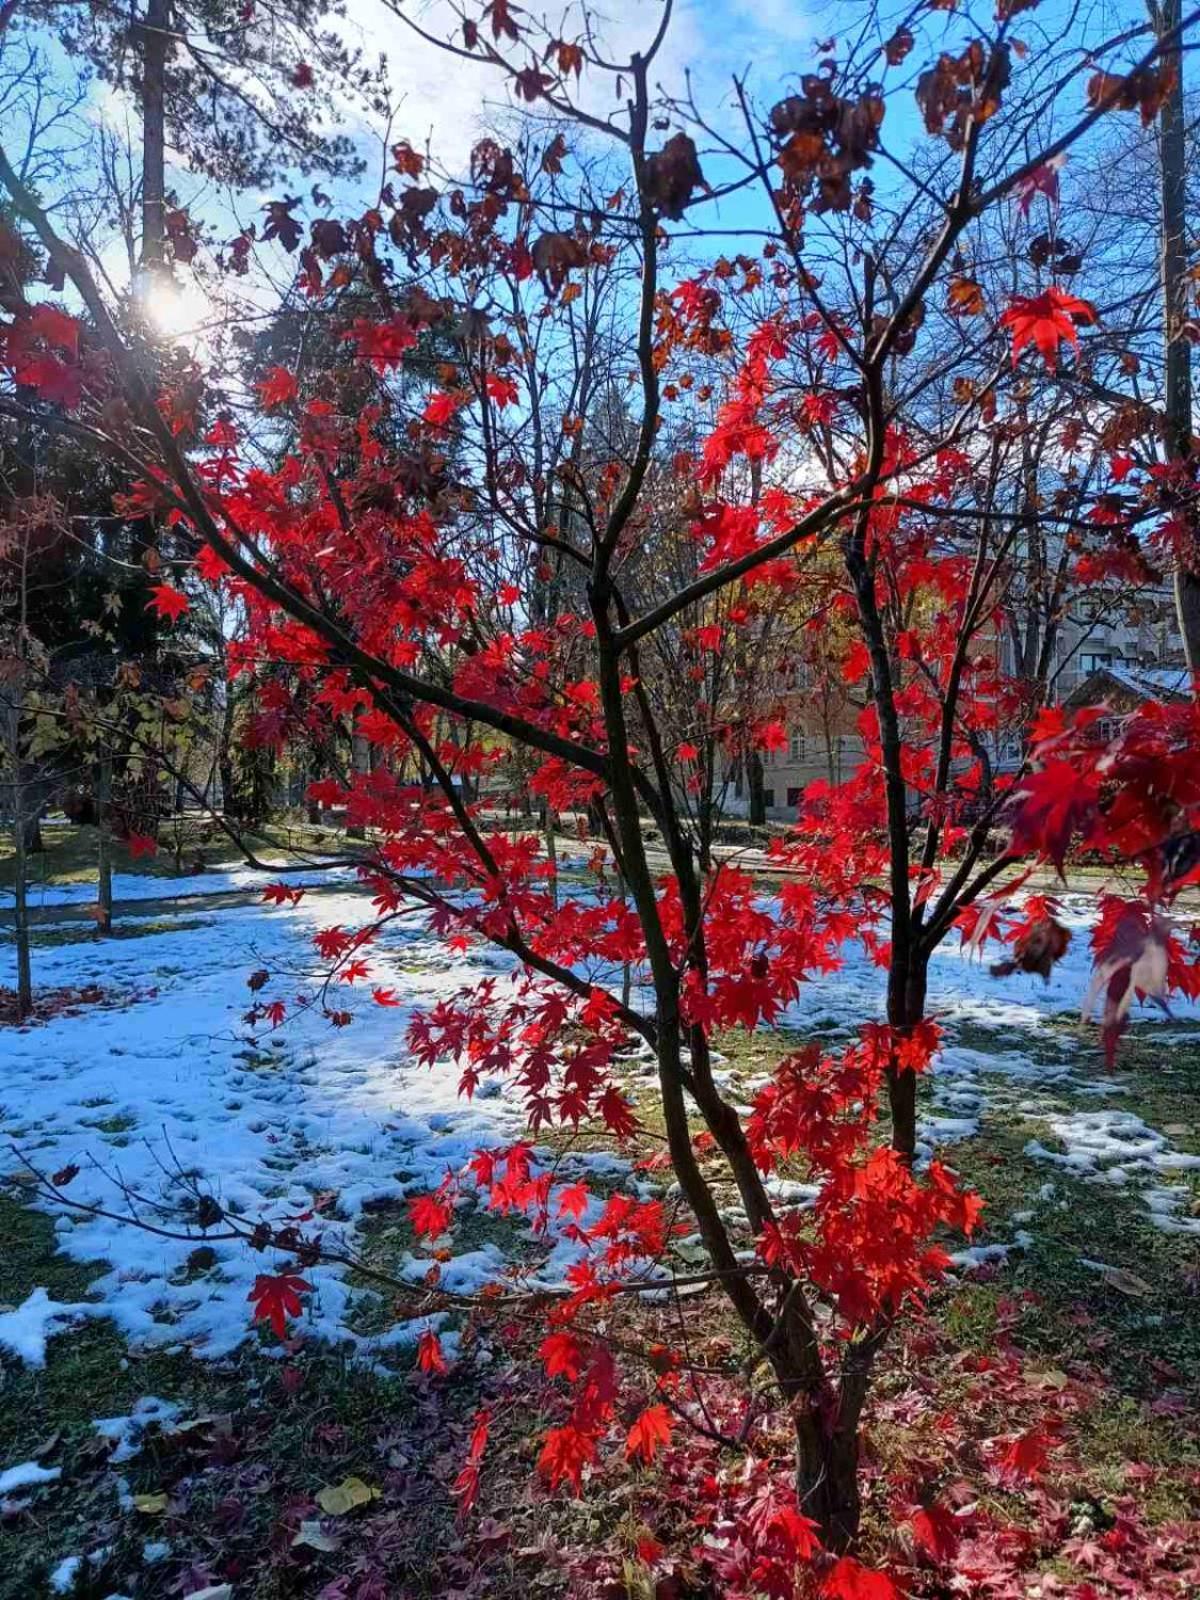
x: 173, y: 1085
x: 963, y: 990
x: 1110, y: 1147
x: 125, y: 1434
x: 26, y: 1475
x: 24, y: 1330
x: 982, y: 1255
x: 142, y: 886
x: 62, y: 1579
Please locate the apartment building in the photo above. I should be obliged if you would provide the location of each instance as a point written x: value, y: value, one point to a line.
x: 1111, y: 649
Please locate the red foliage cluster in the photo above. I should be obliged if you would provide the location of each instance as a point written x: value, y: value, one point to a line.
x: 444, y: 562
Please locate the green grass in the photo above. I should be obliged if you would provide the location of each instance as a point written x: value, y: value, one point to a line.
x: 53, y: 936
x: 70, y: 853
x: 263, y: 1449
x: 345, y: 1419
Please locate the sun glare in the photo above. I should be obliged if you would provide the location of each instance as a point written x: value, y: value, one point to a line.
x: 175, y: 310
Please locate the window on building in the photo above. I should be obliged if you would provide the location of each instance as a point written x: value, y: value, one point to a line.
x: 793, y: 796
x: 768, y: 798
x: 1094, y: 660
x: 797, y: 745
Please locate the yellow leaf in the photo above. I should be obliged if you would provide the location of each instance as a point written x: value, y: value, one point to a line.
x: 1046, y: 1377
x: 336, y: 1499
x: 151, y: 1505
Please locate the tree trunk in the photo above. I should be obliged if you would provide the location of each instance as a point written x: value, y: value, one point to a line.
x: 906, y: 1007
x: 104, y: 893
x: 31, y: 833
x: 360, y: 758
x: 155, y: 38
x: 756, y: 790
x: 551, y: 842
x: 12, y: 730
x: 225, y: 754
x: 1177, y: 365
x: 827, y: 1480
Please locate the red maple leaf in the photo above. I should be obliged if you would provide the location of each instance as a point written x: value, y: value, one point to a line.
x: 617, y: 1113
x: 55, y: 327
x: 277, y: 388
x: 502, y: 390
x: 429, y: 1354
x: 278, y: 1298
x: 562, y: 1356
x: 466, y: 1485
x: 430, y: 1217
x: 648, y: 1434
x: 1051, y: 806
x: 936, y: 1531
x: 169, y: 603
x: 1045, y: 320
x: 142, y: 844
x: 1042, y: 180
x: 279, y: 894
x: 573, y: 1200
x: 850, y: 1580
x: 565, y: 1453
x: 1026, y: 1454
x: 55, y: 381
x: 441, y: 407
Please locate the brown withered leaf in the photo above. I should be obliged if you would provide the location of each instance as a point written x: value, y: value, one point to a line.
x: 554, y: 256
x: 552, y: 160
x: 1142, y: 90
x: 965, y: 297
x: 1036, y: 949
x: 672, y: 174
x: 957, y: 92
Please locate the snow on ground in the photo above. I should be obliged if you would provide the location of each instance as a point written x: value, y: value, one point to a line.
x: 141, y: 886
x: 132, y: 1095
x: 1103, y: 1145
x: 1115, y: 1147
x: 25, y: 1475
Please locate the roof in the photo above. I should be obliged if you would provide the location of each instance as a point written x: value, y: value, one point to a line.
x: 1149, y: 683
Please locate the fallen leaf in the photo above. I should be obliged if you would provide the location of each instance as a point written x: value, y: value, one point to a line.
x: 312, y: 1535
x: 1046, y: 1377
x: 1126, y: 1282
x: 336, y: 1499
x: 151, y: 1505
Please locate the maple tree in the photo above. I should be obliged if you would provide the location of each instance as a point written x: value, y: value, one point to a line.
x: 523, y: 578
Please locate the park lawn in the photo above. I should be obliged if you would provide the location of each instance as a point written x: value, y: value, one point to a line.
x: 223, y: 1488
x: 70, y: 851
x: 1079, y: 1292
